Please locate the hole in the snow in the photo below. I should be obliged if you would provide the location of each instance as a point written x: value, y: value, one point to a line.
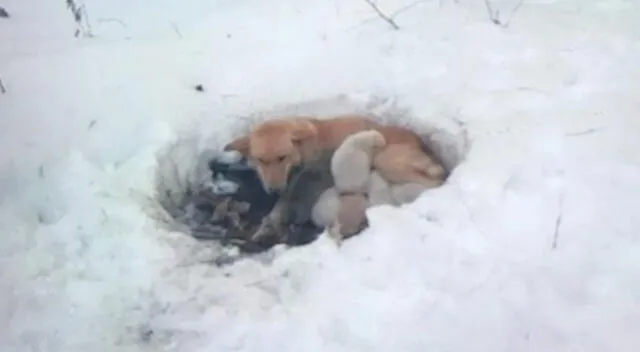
x: 216, y: 196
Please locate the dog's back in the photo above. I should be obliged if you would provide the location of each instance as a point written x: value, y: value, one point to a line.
x: 332, y: 132
x: 399, y: 135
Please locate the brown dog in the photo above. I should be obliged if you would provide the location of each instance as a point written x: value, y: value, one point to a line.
x: 406, y: 159
x: 404, y: 163
x: 274, y: 147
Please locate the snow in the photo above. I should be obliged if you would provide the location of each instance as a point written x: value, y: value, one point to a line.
x: 550, y: 107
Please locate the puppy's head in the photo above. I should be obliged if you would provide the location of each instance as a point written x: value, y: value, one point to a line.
x: 273, y: 148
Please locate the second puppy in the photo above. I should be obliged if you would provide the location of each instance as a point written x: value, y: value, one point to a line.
x: 351, y: 169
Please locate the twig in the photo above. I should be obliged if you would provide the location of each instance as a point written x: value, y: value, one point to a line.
x: 407, y: 8
x: 494, y: 16
x: 175, y: 29
x: 556, y: 232
x: 4, y: 13
x: 582, y: 133
x: 386, y: 18
x: 3, y: 89
x: 79, y: 13
x: 88, y: 31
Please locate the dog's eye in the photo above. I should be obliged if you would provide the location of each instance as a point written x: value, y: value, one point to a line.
x: 281, y: 158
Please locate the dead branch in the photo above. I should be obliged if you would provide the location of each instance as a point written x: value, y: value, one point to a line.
x: 87, y: 25
x: 556, y: 232
x: 81, y: 18
x: 4, y: 13
x: 494, y: 16
x: 582, y: 133
x: 175, y: 29
x: 381, y: 14
x: 3, y: 89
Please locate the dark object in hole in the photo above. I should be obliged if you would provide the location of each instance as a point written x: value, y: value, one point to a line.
x: 232, y: 217
x: 302, y: 234
x: 4, y: 13
x: 305, y: 187
x: 250, y: 188
x: 199, y: 87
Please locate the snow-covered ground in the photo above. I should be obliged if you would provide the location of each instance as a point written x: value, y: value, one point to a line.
x: 532, y: 245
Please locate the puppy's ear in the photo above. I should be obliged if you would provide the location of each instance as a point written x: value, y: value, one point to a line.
x: 302, y: 131
x: 240, y: 145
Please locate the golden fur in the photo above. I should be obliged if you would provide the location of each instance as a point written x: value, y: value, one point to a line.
x: 403, y: 163
x: 274, y: 147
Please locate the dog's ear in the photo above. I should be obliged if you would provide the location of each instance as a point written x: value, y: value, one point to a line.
x: 240, y: 145
x: 302, y: 131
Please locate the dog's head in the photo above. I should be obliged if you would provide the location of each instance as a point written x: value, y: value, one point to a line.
x: 274, y: 147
